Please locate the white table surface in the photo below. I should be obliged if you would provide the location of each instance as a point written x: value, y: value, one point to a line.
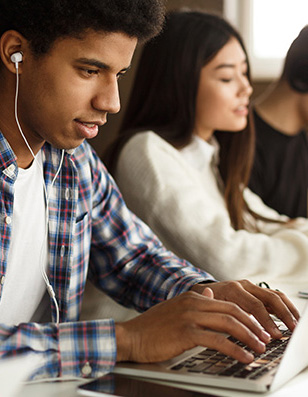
x: 298, y: 386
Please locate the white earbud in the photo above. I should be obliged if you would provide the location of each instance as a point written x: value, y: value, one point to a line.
x: 16, y: 58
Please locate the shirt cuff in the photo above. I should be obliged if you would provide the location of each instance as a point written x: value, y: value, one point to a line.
x: 187, y: 282
x: 87, y: 348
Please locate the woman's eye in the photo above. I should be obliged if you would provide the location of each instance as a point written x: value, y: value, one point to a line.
x: 226, y: 80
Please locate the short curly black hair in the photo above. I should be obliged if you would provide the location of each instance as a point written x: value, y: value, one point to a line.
x: 42, y: 22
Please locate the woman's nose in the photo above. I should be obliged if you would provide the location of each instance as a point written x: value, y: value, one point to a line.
x: 246, y: 88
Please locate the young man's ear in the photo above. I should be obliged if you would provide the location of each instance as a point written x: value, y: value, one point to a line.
x: 11, y: 42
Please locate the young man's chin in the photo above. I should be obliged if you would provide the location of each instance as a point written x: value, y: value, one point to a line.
x: 67, y: 145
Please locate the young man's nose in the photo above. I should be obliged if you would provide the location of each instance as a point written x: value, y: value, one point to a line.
x: 107, y: 98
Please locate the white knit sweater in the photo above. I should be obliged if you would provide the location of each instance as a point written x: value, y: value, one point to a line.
x: 177, y: 194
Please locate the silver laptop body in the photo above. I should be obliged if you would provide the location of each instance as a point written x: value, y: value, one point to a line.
x: 293, y: 361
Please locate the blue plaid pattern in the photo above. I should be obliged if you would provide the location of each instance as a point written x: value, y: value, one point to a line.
x: 92, y: 235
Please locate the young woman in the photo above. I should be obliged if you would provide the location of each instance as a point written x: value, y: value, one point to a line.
x: 184, y: 155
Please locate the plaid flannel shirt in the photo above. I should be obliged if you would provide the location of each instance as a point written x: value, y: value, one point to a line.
x: 91, y: 234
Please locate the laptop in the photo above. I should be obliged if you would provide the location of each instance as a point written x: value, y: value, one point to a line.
x: 283, y: 359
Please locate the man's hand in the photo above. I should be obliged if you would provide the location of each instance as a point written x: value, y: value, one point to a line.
x: 257, y: 301
x: 191, y: 319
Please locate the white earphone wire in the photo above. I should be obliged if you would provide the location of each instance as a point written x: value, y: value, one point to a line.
x: 44, y: 275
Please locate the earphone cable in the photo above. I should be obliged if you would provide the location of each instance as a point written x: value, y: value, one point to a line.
x: 44, y: 275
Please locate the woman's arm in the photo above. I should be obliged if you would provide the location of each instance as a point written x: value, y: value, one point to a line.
x: 171, y: 196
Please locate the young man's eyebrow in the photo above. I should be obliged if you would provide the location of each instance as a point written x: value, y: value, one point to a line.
x: 98, y: 64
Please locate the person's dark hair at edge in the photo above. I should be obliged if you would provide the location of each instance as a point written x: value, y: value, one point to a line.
x: 42, y: 22
x: 163, y: 97
x: 295, y: 69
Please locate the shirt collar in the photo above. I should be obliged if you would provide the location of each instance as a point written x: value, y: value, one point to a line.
x: 8, y: 159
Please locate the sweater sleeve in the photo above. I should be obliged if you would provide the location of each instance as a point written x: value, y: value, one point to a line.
x: 172, y: 197
x: 128, y: 261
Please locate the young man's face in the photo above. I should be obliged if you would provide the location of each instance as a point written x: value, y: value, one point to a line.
x: 66, y: 94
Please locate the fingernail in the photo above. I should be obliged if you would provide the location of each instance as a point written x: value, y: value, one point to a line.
x: 277, y: 333
x: 262, y: 345
x: 249, y: 356
x: 266, y: 336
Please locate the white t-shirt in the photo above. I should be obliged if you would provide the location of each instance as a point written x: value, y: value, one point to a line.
x: 24, y: 286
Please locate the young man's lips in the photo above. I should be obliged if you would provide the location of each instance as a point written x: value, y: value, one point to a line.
x: 88, y: 130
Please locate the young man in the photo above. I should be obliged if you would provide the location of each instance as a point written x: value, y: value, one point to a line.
x: 68, y: 56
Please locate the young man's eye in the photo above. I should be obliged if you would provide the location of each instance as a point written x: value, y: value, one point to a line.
x: 89, y: 72
x: 120, y: 76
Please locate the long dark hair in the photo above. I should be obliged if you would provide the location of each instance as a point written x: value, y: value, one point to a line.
x: 295, y: 69
x: 163, y: 97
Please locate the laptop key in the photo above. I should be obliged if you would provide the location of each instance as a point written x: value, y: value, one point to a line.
x: 200, y: 367
x: 213, y: 370
x: 243, y: 374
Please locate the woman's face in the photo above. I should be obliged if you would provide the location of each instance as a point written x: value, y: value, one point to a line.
x: 223, y: 92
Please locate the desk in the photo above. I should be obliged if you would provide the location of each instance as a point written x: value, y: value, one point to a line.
x: 50, y: 389
x: 298, y: 386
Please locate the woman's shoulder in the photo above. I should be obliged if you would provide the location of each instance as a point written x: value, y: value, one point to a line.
x: 147, y: 143
x: 147, y: 150
x: 147, y: 137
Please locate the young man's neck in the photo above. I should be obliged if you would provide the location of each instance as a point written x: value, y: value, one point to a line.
x: 9, y: 128
x: 17, y: 143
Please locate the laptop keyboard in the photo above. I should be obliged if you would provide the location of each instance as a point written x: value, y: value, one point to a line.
x: 210, y: 361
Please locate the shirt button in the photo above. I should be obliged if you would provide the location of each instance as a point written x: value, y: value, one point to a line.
x: 8, y: 220
x: 62, y: 251
x: 11, y: 168
x: 86, y: 370
x: 67, y: 194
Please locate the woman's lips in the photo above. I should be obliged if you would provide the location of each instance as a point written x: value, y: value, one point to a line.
x: 241, y: 110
